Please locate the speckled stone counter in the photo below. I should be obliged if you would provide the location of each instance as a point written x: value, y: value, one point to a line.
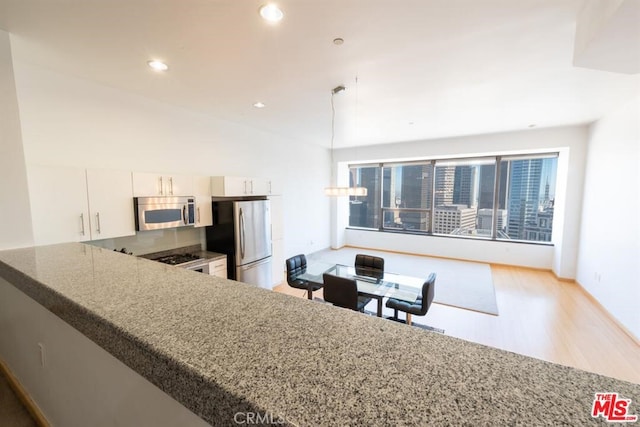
x: 220, y: 347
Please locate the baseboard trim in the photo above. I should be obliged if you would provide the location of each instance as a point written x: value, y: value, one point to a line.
x: 608, y: 314
x: 23, y: 396
x: 563, y: 279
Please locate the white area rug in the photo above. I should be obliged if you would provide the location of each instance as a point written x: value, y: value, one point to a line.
x: 463, y: 284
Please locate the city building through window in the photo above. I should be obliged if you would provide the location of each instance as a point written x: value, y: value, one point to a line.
x: 498, y: 197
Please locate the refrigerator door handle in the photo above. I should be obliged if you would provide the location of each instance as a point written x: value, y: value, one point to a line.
x: 253, y: 265
x: 241, y: 233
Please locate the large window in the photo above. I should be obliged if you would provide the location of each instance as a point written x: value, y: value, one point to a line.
x: 500, y: 198
x: 406, y: 196
x: 365, y: 211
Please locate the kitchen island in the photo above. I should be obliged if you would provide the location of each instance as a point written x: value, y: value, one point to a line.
x: 222, y: 348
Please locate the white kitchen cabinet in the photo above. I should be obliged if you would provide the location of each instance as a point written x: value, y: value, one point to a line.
x: 226, y: 186
x: 231, y: 186
x: 219, y: 268
x: 75, y: 205
x: 59, y: 209
x: 262, y: 186
x: 202, y: 193
x: 156, y: 184
x: 110, y: 203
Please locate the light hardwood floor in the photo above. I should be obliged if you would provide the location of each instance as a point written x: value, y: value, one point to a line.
x: 542, y: 317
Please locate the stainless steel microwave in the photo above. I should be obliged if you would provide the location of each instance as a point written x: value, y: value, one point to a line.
x: 154, y: 213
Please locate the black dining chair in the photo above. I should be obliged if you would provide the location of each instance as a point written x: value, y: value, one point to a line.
x: 369, y: 265
x: 297, y: 265
x: 343, y: 292
x: 418, y: 308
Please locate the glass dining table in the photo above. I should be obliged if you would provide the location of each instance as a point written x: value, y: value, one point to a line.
x: 371, y: 285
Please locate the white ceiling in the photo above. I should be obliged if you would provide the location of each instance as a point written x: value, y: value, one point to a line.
x: 426, y: 68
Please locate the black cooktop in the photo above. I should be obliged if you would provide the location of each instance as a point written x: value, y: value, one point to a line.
x: 177, y: 259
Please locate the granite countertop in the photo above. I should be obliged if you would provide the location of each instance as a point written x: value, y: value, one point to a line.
x: 219, y: 348
x: 212, y: 256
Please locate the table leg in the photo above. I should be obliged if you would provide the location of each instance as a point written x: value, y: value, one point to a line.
x: 379, y: 307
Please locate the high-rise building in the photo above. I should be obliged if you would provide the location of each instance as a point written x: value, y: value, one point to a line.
x: 541, y: 230
x: 445, y: 176
x: 416, y: 194
x: 465, y: 186
x: 486, y: 183
x: 524, y: 196
x: 485, y: 219
x: 448, y: 218
x: 362, y: 209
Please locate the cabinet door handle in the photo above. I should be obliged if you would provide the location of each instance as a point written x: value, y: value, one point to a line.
x: 245, y: 187
x: 198, y: 214
x: 171, y: 185
x: 161, y: 187
x: 82, y: 224
x: 251, y: 186
x: 269, y: 187
x: 98, y: 222
x: 241, y: 234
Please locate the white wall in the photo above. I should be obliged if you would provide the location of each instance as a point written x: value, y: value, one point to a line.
x: 72, y: 122
x: 570, y: 142
x: 609, y: 249
x: 15, y: 212
x: 534, y: 256
x: 80, y: 384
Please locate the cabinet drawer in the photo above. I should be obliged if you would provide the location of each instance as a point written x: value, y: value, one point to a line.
x: 219, y: 264
x: 220, y: 273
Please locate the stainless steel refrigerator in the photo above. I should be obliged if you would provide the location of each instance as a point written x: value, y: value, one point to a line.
x: 242, y: 231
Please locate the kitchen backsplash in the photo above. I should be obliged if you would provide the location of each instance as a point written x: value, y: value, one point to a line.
x: 145, y: 242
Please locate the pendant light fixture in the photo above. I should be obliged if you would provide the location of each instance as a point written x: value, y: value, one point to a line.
x: 334, y: 190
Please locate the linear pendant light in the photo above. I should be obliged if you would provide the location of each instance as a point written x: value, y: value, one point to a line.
x: 345, y: 191
x: 335, y: 191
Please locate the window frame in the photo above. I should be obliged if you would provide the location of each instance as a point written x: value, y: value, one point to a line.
x: 496, y: 160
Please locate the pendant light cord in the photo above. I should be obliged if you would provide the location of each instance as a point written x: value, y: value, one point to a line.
x: 333, y: 130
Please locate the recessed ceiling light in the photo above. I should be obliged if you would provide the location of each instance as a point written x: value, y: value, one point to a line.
x: 158, y: 65
x: 270, y: 12
x: 532, y: 125
x: 259, y: 105
x: 338, y: 41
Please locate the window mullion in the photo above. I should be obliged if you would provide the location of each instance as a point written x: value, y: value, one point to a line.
x: 381, y: 216
x: 496, y: 199
x: 432, y: 216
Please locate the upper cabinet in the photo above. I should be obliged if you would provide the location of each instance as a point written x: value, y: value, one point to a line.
x: 261, y: 186
x: 233, y: 186
x: 156, y: 184
x: 59, y: 208
x: 75, y: 205
x: 110, y: 203
x: 202, y: 193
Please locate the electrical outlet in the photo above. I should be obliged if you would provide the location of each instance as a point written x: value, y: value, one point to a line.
x: 42, y: 355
